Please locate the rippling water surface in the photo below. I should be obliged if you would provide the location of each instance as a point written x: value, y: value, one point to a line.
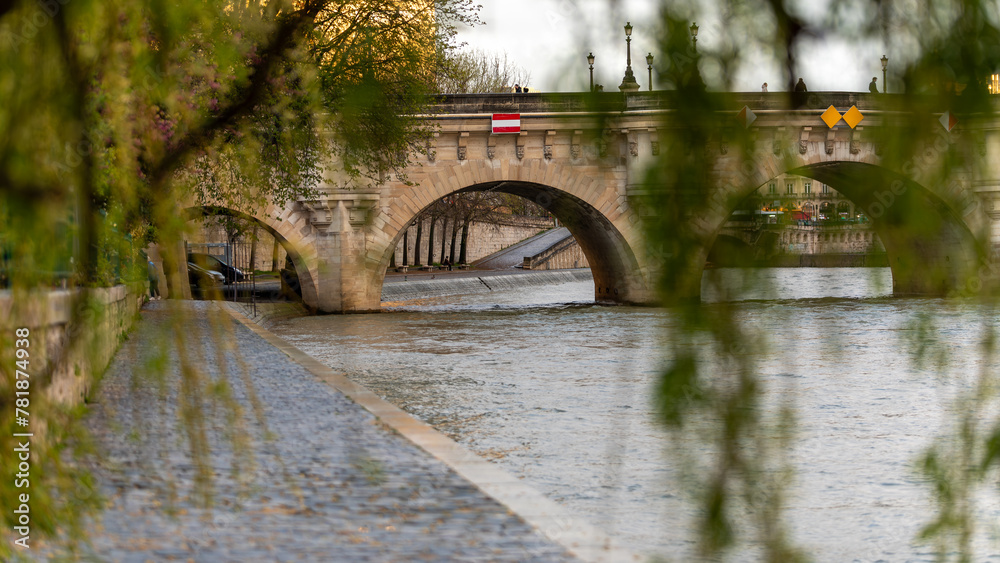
x: 557, y: 389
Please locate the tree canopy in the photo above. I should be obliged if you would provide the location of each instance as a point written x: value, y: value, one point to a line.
x: 949, y: 50
x: 124, y: 109
x: 116, y: 114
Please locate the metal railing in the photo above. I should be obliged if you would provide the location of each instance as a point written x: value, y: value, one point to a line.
x: 244, y: 289
x: 240, y: 284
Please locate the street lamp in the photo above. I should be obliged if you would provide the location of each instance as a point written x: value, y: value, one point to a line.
x: 885, y: 63
x: 590, y: 59
x: 649, y: 63
x: 694, y: 36
x: 628, y: 81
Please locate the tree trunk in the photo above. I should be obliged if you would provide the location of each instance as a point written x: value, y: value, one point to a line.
x: 274, y: 255
x: 465, y: 240
x: 430, y: 242
x: 406, y: 244
x: 253, y: 249
x: 416, y: 243
x: 454, y: 232
x: 444, y: 236
x: 174, y: 257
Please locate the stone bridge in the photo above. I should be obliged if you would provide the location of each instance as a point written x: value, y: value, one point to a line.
x: 586, y: 166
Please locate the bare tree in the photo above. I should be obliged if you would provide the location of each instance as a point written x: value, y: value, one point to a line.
x: 487, y: 207
x: 479, y: 72
x: 457, y: 212
x: 430, y: 238
x: 416, y: 244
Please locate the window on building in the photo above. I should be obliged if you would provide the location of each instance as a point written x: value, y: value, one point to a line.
x: 826, y: 189
x: 772, y: 188
x: 994, y: 85
x: 808, y: 188
x: 789, y: 188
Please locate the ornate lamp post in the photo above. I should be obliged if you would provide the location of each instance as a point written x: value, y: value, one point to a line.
x: 628, y: 81
x: 885, y: 63
x: 694, y: 36
x: 649, y: 63
x: 590, y: 59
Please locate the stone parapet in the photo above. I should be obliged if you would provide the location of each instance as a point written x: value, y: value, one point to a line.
x: 73, y: 334
x: 565, y: 254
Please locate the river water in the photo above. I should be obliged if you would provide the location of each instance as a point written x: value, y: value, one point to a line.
x: 557, y: 390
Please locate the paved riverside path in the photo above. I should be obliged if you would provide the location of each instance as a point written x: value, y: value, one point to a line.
x: 328, y: 482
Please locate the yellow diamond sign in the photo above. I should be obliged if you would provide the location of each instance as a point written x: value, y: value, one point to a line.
x: 831, y: 116
x: 853, y: 117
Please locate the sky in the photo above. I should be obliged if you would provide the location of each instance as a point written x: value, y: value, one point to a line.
x: 551, y: 38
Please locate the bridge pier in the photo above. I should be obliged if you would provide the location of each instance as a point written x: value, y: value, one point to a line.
x: 344, y: 280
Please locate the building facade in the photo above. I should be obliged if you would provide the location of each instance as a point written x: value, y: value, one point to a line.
x: 800, y: 198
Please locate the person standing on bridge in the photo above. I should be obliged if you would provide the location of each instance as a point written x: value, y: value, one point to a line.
x: 763, y: 88
x: 872, y: 87
x: 800, y: 86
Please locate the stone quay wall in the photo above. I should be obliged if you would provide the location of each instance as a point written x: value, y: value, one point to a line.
x: 848, y: 239
x: 73, y: 334
x: 484, y: 238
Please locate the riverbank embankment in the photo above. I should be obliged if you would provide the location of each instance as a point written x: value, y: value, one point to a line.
x: 334, y: 473
x: 845, y: 260
x: 72, y: 333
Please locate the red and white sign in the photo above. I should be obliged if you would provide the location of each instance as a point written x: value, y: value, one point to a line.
x: 506, y: 123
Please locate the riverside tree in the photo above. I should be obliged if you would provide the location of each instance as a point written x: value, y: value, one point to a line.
x: 479, y: 72
x: 948, y: 51
x: 115, y: 114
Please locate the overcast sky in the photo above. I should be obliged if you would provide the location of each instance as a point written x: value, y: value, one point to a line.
x: 551, y: 39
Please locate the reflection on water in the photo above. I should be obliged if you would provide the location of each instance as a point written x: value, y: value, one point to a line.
x: 557, y: 390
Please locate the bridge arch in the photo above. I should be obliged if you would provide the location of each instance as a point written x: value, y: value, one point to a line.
x: 291, y: 230
x: 591, y: 208
x: 936, y: 241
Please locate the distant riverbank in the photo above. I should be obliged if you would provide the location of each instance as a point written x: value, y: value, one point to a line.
x: 830, y: 260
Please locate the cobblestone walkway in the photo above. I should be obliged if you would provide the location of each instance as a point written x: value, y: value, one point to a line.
x: 327, y: 483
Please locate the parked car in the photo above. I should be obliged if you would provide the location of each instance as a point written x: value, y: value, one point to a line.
x: 202, y: 278
x: 216, y: 264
